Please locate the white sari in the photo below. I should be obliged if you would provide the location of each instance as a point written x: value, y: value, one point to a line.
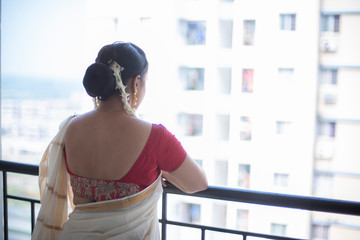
x: 132, y: 217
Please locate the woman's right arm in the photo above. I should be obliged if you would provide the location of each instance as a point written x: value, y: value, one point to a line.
x: 189, y: 177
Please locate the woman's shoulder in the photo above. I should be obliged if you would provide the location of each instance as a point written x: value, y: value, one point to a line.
x: 78, y: 122
x: 162, y: 132
x: 79, y: 118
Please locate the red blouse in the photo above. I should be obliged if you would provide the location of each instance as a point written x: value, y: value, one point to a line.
x: 162, y: 151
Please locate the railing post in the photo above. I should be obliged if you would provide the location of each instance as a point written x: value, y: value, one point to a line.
x: 202, y: 234
x: 164, y: 216
x: 5, y: 204
x: 32, y: 216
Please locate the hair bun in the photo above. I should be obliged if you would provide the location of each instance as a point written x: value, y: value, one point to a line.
x: 99, y: 80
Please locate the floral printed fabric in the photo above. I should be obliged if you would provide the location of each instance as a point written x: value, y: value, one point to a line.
x: 101, y: 190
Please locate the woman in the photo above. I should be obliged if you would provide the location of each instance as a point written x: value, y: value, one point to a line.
x: 114, y: 161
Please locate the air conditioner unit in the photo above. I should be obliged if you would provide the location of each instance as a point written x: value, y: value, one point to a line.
x: 328, y: 94
x: 327, y: 45
x: 329, y: 98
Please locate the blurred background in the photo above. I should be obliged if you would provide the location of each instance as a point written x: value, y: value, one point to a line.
x: 263, y: 94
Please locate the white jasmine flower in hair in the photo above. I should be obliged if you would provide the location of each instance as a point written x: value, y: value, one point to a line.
x: 116, y: 68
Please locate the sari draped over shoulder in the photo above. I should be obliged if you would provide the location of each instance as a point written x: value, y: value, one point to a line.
x: 55, y: 190
x: 131, y: 217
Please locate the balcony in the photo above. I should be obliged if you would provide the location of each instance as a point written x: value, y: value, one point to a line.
x: 216, y: 193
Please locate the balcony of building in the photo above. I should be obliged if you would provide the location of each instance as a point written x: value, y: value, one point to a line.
x: 256, y: 198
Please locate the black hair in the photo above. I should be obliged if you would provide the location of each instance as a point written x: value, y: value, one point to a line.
x: 99, y: 80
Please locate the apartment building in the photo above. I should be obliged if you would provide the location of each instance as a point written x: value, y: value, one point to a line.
x: 336, y: 163
x: 259, y: 93
x: 268, y: 102
x: 245, y: 116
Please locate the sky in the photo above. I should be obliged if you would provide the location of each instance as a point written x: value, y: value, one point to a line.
x: 41, y: 38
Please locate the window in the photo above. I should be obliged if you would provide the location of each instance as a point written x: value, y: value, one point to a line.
x: 287, y: 22
x: 323, y: 183
x: 329, y: 98
x: 192, y: 78
x: 224, y: 80
x: 225, y: 33
x: 194, y: 32
x: 245, y: 128
x: 190, y: 124
x: 248, y: 80
x: 330, y: 23
x: 328, y: 76
x: 283, y: 127
x: 242, y: 219
x: 191, y: 212
x: 244, y: 176
x: 249, y: 32
x: 326, y: 129
x: 278, y: 229
x: 219, y: 213
x: 281, y: 179
x: 285, y: 74
x: 222, y: 126
x: 221, y: 172
x: 320, y: 232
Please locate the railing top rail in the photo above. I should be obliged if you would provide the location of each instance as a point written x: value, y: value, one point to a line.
x: 19, y: 167
x: 275, y: 199
x: 237, y: 195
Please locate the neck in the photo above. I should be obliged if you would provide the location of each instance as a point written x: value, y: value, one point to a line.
x: 111, y: 104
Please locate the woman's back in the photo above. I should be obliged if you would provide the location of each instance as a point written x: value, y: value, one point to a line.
x: 104, y: 145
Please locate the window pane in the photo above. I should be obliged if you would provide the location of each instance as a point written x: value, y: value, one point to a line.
x: 281, y: 179
x: 248, y: 80
x: 249, y: 32
x: 225, y: 33
x: 283, y: 127
x: 329, y: 76
x: 326, y: 129
x: 287, y: 22
x: 192, y: 78
x: 330, y: 23
x: 221, y: 172
x: 219, y: 213
x: 190, y: 212
x: 190, y: 124
x: 194, y: 32
x: 320, y: 232
x: 245, y: 128
x: 242, y: 219
x: 222, y: 126
x: 323, y: 184
x: 244, y: 176
x: 224, y: 80
x: 278, y: 229
x: 336, y: 23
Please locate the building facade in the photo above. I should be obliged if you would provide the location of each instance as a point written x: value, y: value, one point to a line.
x: 336, y: 155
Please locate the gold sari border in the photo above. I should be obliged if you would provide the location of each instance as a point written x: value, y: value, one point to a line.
x: 57, y: 143
x: 51, y: 189
x: 119, y: 203
x: 57, y: 228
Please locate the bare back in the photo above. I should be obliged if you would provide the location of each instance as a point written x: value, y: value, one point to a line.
x: 104, y: 145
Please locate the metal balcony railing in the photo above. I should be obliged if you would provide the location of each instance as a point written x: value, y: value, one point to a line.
x: 217, y: 193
